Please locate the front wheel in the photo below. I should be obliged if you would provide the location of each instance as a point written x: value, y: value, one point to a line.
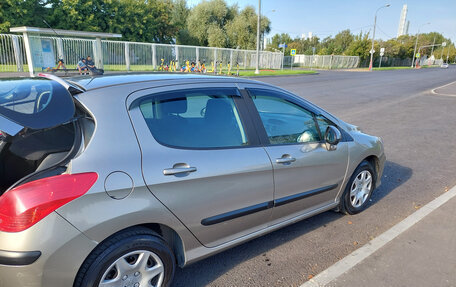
x: 358, y: 190
x: 136, y: 258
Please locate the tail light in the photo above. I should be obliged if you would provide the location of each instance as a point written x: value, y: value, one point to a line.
x: 27, y: 204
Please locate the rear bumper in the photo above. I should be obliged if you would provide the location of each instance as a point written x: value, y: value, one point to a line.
x: 18, y: 258
x: 49, y: 253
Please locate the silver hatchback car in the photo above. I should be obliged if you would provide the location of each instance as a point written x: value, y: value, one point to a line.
x: 116, y: 180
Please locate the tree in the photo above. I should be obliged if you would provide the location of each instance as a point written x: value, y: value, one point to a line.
x: 278, y: 39
x: 213, y: 14
x: 342, y: 41
x: 179, y: 16
x: 242, y: 30
x: 21, y: 13
x: 360, y: 46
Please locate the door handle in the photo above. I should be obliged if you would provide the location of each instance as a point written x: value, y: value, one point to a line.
x: 285, y: 159
x: 179, y: 168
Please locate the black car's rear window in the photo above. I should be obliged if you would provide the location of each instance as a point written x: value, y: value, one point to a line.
x: 35, y: 103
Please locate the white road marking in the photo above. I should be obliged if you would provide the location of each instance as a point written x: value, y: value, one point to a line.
x: 351, y: 260
x: 449, y: 95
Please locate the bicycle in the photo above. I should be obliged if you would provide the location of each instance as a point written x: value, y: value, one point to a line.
x: 162, y: 65
x: 221, y: 68
x: 203, y: 68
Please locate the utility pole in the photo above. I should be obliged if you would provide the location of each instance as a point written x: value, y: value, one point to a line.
x: 257, y: 65
x: 416, y: 43
x: 433, y: 43
x: 283, y: 55
x: 448, y: 53
x: 373, y: 37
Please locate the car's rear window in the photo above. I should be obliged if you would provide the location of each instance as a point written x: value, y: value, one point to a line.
x: 35, y: 103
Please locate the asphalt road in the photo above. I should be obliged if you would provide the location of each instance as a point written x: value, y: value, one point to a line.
x: 418, y: 128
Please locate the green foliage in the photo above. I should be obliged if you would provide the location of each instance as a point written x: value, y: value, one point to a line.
x: 207, y: 15
x: 214, y: 23
x: 360, y: 46
x: 142, y: 21
x: 210, y: 23
x: 342, y: 41
x: 345, y: 43
x: 15, y: 13
x: 242, y: 30
x: 280, y: 39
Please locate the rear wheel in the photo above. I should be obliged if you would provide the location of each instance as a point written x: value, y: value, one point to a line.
x: 135, y: 258
x: 358, y: 190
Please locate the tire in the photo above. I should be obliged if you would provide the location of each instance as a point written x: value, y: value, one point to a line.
x: 356, y: 201
x: 119, y: 259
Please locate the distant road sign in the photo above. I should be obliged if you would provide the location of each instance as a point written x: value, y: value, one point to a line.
x: 382, y: 50
x: 418, y: 55
x: 283, y: 45
x: 372, y: 51
x: 293, y: 52
x: 443, y: 44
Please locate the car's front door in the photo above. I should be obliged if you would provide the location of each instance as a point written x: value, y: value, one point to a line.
x: 202, y: 159
x: 307, y: 175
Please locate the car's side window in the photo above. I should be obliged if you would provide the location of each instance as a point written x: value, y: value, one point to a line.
x: 285, y: 122
x: 323, y: 124
x: 195, y: 118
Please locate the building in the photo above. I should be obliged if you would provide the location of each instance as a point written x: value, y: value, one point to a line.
x: 403, y: 24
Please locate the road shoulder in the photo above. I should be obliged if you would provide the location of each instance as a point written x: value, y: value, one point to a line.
x: 417, y: 251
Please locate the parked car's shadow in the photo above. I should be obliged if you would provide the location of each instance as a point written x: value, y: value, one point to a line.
x: 206, y: 271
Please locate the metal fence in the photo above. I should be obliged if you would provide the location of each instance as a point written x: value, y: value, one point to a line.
x: 12, y: 54
x: 387, y: 62
x: 399, y: 62
x: 322, y: 61
x: 121, y: 55
x: 425, y: 61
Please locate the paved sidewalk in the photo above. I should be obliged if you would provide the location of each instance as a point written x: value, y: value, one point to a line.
x: 424, y: 255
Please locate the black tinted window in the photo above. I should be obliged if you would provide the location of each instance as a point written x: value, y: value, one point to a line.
x: 35, y: 103
x: 202, y: 118
x: 285, y: 122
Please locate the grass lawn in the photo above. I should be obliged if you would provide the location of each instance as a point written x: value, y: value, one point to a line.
x: 275, y: 72
x: 391, y: 68
x: 11, y: 68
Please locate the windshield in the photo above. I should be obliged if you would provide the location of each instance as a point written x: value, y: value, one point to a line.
x: 35, y: 103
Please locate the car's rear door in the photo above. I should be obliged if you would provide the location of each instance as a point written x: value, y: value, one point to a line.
x: 202, y: 159
x: 36, y: 104
x: 307, y: 175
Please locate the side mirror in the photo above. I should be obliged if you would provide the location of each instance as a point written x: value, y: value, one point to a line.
x: 332, y: 137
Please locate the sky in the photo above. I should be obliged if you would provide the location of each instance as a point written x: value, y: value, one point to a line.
x: 328, y: 17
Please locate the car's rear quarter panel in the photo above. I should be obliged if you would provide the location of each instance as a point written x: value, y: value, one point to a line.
x: 114, y: 147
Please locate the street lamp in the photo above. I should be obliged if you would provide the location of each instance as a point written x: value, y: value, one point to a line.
x: 416, y: 42
x: 263, y: 40
x: 373, y: 36
x: 257, y: 65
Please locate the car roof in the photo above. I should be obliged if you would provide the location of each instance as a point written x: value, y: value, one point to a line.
x: 97, y: 82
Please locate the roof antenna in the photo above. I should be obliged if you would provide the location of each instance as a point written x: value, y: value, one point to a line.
x: 95, y: 71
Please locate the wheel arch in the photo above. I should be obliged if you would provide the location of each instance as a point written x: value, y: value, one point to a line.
x: 375, y: 162
x: 171, y: 237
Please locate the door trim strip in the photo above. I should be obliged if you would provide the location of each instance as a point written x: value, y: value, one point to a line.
x: 263, y: 206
